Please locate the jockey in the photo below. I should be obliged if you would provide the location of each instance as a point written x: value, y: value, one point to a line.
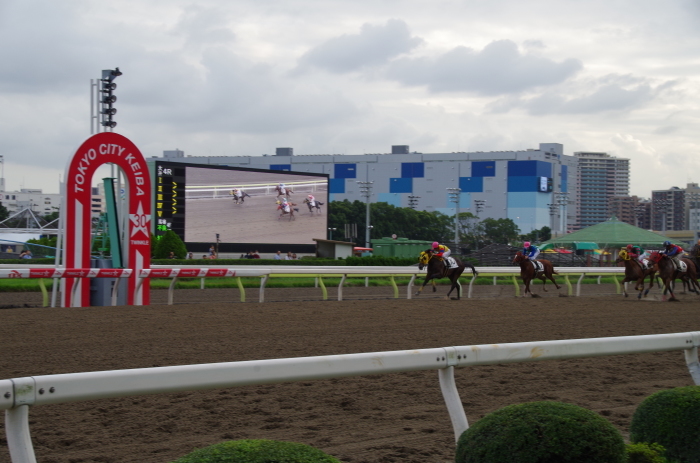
x: 636, y: 252
x: 285, y: 205
x: 673, y: 251
x: 441, y: 250
x: 312, y: 201
x: 531, y: 251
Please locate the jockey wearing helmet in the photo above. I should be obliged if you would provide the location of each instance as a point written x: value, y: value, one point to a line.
x: 441, y: 250
x: 673, y: 251
x: 530, y: 250
x: 636, y: 252
x: 285, y: 205
x: 312, y: 201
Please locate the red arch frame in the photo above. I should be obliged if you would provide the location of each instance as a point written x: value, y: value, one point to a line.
x: 104, y: 148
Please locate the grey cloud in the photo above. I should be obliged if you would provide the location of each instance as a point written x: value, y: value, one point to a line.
x: 499, y: 68
x: 610, y: 97
x: 234, y: 95
x: 374, y: 45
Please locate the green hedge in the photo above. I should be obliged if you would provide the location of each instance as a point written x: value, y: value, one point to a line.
x: 257, y: 451
x: 541, y: 432
x: 670, y: 418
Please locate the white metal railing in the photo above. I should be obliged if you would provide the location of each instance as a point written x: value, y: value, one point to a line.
x: 343, y: 272
x: 224, y: 191
x: 18, y: 394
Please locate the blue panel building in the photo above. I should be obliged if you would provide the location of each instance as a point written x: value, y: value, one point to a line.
x: 520, y: 185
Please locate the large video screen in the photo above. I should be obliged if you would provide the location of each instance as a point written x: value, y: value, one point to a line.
x: 240, y: 209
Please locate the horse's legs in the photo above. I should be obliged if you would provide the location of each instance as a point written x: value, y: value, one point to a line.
x: 427, y: 279
x: 624, y: 286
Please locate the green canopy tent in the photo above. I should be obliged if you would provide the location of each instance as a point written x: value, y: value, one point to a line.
x: 610, y: 234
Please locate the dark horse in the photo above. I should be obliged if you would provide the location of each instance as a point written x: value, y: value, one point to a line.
x: 438, y: 269
x: 317, y: 205
x: 239, y: 196
x: 528, y: 272
x: 635, y: 272
x: 668, y: 274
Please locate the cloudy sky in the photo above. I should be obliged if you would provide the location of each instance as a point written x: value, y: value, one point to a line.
x: 217, y: 77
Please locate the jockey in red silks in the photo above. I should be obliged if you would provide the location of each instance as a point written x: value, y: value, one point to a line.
x: 443, y: 251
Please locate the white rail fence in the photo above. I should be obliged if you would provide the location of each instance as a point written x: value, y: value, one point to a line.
x: 17, y: 395
x: 316, y: 272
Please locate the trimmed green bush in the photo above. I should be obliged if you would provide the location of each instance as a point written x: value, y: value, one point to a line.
x: 645, y: 453
x: 541, y: 432
x: 257, y: 451
x: 670, y: 418
x: 170, y: 241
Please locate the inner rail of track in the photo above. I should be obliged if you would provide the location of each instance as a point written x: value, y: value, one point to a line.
x: 17, y: 395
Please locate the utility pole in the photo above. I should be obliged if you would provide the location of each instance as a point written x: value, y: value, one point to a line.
x: 454, y: 194
x: 366, y: 192
x: 478, y: 207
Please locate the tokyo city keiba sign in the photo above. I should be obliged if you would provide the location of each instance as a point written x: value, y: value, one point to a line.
x: 104, y: 148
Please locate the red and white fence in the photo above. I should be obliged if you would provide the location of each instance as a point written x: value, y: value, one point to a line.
x: 57, y: 272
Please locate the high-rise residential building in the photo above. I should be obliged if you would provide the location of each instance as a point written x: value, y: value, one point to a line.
x: 692, y: 206
x: 601, y: 177
x: 668, y: 209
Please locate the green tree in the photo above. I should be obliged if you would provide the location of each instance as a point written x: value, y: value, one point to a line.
x: 387, y: 220
x: 4, y: 213
x: 543, y: 234
x: 170, y: 241
x: 500, y: 231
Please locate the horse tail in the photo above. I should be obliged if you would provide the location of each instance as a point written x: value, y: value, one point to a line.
x: 474, y: 272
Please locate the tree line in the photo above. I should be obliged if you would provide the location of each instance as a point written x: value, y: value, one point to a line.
x: 387, y: 220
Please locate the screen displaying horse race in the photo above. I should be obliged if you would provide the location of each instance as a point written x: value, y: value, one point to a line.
x: 245, y: 209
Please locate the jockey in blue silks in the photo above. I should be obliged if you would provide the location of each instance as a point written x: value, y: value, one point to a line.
x: 673, y: 251
x: 530, y: 250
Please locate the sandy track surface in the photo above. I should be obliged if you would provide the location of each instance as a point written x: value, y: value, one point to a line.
x: 385, y: 418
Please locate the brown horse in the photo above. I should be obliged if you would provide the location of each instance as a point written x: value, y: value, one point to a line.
x: 669, y: 273
x: 438, y: 269
x: 292, y: 209
x: 283, y: 191
x: 528, y: 272
x: 635, y: 272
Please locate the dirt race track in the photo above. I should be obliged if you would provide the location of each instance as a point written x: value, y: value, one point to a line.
x: 384, y: 418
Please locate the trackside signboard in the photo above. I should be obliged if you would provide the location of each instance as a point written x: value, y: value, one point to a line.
x: 106, y: 148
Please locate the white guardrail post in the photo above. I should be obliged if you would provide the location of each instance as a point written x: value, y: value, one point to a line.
x: 16, y: 395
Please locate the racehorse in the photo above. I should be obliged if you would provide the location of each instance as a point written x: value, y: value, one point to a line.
x: 437, y: 268
x: 283, y: 191
x: 528, y: 272
x: 239, y: 196
x: 292, y: 209
x: 668, y: 274
x: 635, y: 272
x: 317, y: 205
